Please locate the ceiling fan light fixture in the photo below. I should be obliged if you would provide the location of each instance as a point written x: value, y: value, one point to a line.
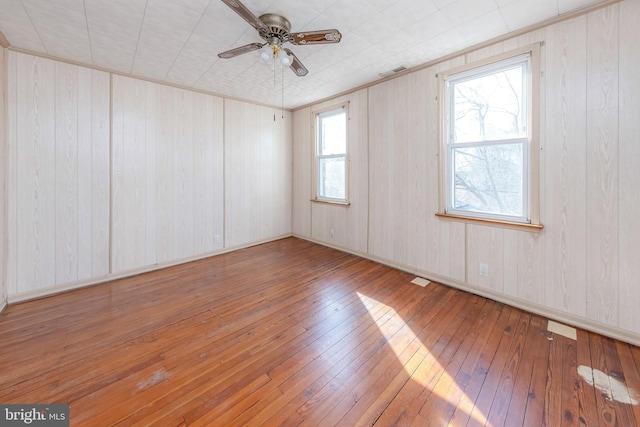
x: 284, y: 58
x: 266, y: 53
x: 275, y: 30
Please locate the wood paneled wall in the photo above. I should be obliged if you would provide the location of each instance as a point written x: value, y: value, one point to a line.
x: 109, y: 175
x: 581, y: 267
x: 257, y: 173
x: 58, y: 220
x: 167, y: 173
x: 3, y: 178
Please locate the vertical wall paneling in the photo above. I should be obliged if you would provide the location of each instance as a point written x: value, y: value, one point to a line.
x: 385, y: 155
x: 629, y: 172
x: 34, y: 116
x: 302, y: 179
x: 183, y: 161
x: 602, y: 165
x: 151, y: 186
x: 58, y: 194
x: 4, y: 171
x: 397, y: 153
x: 11, y: 175
x: 66, y: 172
x: 167, y: 173
x: 566, y: 168
x: 129, y: 174
x: 164, y: 173
x: 257, y: 180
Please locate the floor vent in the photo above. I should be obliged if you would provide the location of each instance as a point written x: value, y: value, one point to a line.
x: 420, y: 281
x: 560, y: 329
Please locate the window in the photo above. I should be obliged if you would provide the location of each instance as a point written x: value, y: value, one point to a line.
x: 489, y: 157
x: 331, y: 155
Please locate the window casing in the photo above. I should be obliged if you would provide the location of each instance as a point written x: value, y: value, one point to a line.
x: 490, y: 159
x: 331, y: 162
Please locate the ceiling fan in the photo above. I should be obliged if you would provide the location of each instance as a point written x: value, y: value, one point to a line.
x: 275, y: 31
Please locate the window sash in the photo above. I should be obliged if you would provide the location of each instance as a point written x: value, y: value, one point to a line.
x: 451, y: 145
x: 525, y: 188
x: 321, y: 178
x: 320, y: 193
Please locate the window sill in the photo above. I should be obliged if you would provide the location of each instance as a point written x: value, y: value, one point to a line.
x: 492, y: 222
x: 330, y: 202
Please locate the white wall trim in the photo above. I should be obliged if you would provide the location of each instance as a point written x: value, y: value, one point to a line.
x: 70, y: 286
x: 549, y: 313
x: 3, y: 305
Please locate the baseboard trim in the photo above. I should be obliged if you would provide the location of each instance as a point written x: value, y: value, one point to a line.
x: 3, y: 305
x: 549, y: 313
x: 70, y: 286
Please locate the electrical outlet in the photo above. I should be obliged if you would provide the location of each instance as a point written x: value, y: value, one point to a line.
x: 217, y: 238
x: 332, y: 232
x: 484, y: 270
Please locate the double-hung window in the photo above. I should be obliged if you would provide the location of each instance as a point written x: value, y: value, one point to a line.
x: 331, y: 155
x: 489, y: 156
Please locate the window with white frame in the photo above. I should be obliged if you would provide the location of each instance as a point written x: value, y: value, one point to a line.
x: 331, y: 155
x: 488, y: 141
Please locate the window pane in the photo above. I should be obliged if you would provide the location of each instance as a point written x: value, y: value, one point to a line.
x: 333, y: 134
x: 489, y: 179
x: 331, y: 178
x: 490, y: 107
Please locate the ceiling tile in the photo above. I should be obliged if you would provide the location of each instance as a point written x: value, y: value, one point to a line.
x: 484, y: 27
x: 381, y: 5
x: 463, y: 11
x: 428, y: 27
x: 521, y: 13
x: 565, y: 6
x: 348, y: 14
x: 62, y: 28
x: 407, y: 12
x: 375, y: 29
x: 17, y: 27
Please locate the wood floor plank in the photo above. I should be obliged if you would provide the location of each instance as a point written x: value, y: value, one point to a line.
x: 294, y: 333
x: 606, y: 407
x: 553, y: 386
x: 498, y: 412
x: 620, y: 395
x: 536, y: 339
x: 474, y: 378
x: 570, y: 380
x: 586, y: 393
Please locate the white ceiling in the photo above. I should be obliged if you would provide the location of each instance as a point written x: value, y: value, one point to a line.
x: 178, y: 40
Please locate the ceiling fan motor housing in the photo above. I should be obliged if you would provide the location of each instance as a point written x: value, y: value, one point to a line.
x: 278, y: 27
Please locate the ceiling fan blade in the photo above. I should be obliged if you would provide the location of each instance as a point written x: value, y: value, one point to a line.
x: 240, y: 50
x: 246, y: 14
x: 297, y: 67
x: 315, y: 37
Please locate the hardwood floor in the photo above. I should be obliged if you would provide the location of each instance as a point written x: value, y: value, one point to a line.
x: 293, y: 333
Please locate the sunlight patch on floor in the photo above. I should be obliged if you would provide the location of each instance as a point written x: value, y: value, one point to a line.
x: 415, y: 363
